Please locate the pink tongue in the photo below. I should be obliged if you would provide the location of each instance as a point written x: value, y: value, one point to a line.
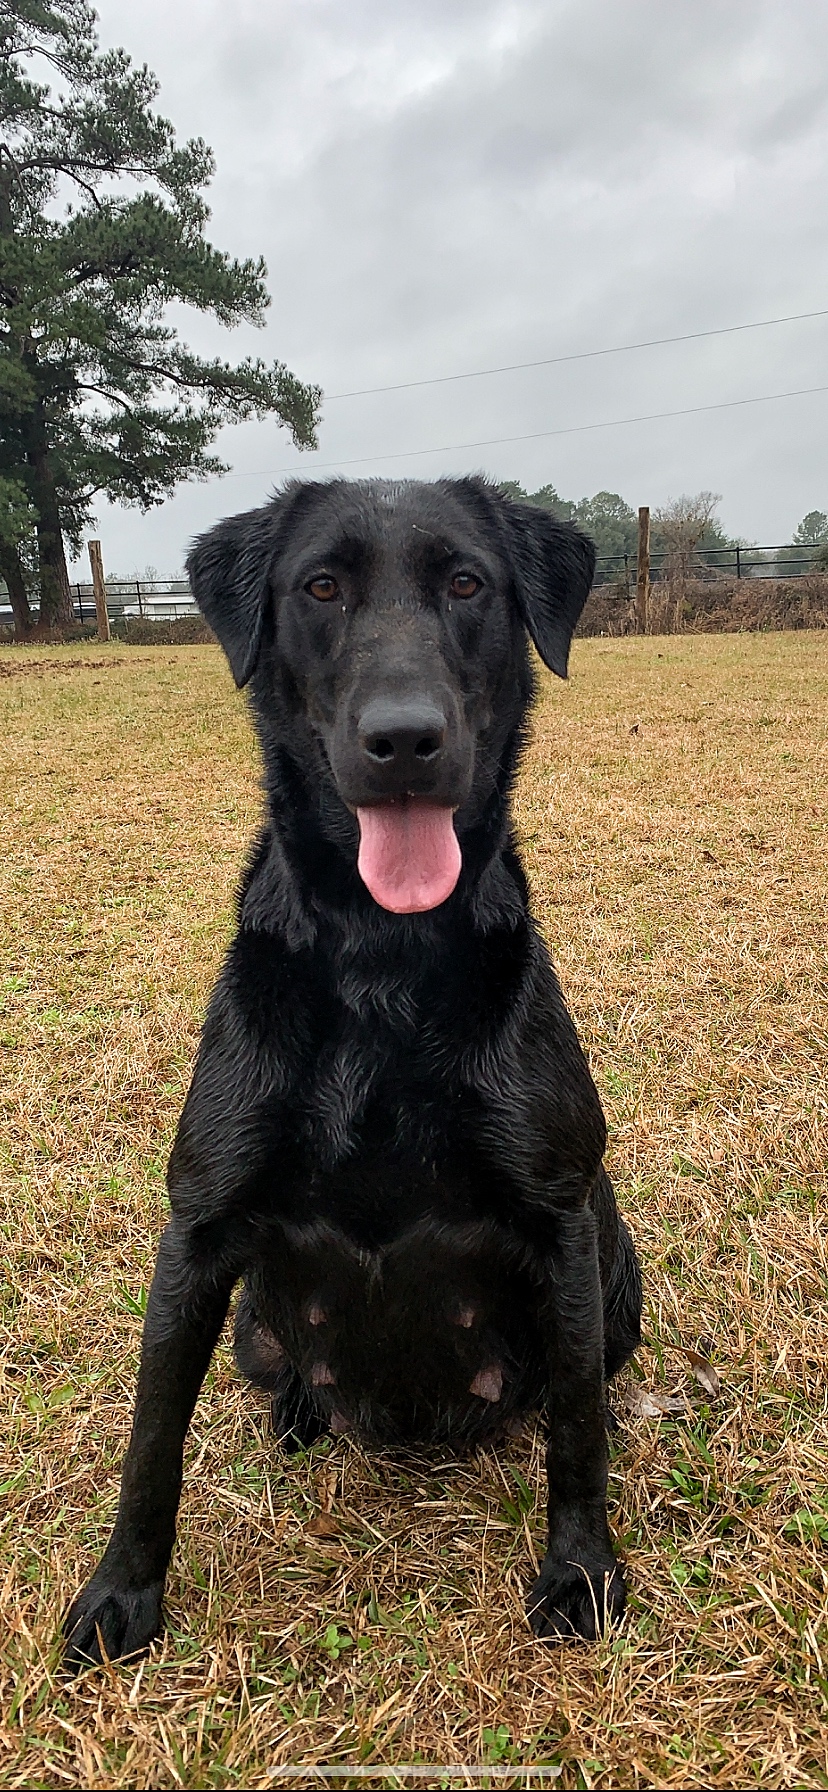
x: 408, y: 855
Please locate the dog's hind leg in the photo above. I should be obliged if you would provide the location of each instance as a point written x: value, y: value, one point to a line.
x: 622, y: 1305
x: 620, y: 1278
x: 260, y: 1357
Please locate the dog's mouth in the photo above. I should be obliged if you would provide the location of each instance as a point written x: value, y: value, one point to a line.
x: 409, y: 855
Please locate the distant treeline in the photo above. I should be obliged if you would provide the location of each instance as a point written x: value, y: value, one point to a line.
x: 613, y: 526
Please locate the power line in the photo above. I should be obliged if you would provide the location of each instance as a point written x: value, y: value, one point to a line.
x: 573, y: 429
x: 587, y: 354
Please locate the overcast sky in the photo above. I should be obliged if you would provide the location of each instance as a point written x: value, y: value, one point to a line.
x: 439, y: 186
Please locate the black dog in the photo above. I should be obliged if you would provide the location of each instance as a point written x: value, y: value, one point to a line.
x: 391, y: 1135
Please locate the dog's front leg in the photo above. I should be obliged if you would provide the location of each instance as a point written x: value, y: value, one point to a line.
x: 580, y: 1586
x: 119, y: 1612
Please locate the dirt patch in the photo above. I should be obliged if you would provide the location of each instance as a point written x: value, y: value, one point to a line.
x: 39, y: 668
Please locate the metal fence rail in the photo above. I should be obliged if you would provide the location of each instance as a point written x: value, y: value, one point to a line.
x: 158, y: 600
x: 163, y: 600
x: 789, y: 561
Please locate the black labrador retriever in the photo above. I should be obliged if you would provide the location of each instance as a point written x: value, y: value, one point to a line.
x: 392, y: 1137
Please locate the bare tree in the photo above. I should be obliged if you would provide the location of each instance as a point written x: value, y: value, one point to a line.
x: 681, y: 525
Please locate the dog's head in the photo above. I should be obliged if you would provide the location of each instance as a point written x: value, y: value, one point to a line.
x: 385, y: 625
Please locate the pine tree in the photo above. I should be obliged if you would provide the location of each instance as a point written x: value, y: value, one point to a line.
x: 102, y: 221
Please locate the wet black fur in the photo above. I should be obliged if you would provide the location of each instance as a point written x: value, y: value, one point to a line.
x: 391, y: 1123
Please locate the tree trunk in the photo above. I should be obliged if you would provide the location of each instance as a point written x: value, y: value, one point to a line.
x: 12, y: 571
x: 55, y: 595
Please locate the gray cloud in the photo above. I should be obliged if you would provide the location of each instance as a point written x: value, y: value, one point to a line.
x: 457, y: 185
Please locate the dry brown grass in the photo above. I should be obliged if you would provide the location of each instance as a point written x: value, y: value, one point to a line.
x: 673, y: 812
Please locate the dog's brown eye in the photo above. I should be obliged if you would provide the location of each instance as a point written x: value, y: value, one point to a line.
x: 324, y: 588
x: 464, y: 584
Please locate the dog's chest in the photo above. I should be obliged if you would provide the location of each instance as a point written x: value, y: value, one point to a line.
x: 388, y: 1072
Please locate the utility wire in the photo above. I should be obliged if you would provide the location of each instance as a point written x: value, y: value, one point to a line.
x: 573, y: 429
x: 587, y: 354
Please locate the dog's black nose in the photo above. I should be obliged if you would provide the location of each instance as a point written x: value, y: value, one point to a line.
x: 404, y: 738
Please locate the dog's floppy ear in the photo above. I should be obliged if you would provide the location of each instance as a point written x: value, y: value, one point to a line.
x: 553, y: 566
x: 229, y: 570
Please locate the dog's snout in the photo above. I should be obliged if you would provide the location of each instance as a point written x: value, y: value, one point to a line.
x: 402, y: 737
x: 403, y: 740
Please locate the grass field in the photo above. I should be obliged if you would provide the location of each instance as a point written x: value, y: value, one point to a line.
x: 342, y: 1608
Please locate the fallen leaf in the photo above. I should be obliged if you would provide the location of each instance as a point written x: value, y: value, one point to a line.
x: 323, y: 1524
x: 643, y: 1403
x: 704, y: 1371
x: 326, y: 1481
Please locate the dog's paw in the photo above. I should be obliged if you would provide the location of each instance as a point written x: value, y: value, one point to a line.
x: 570, y: 1600
x: 107, y: 1621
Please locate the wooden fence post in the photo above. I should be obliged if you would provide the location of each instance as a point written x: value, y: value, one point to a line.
x: 642, y: 583
x: 99, y: 588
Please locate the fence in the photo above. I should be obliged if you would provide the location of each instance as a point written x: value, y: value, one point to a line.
x: 735, y: 562
x: 158, y: 600
x: 162, y: 600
